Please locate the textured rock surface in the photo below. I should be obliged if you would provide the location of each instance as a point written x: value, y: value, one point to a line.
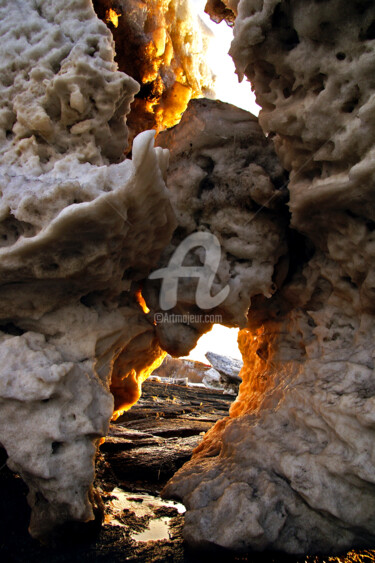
x: 219, y: 11
x: 212, y: 379
x: 292, y: 468
x: 162, y: 44
x: 224, y: 179
x: 228, y: 367
x: 74, y: 236
x: 225, y: 372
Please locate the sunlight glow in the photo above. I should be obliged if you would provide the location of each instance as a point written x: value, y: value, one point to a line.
x: 140, y: 300
x: 221, y: 340
x: 227, y: 88
x: 112, y: 16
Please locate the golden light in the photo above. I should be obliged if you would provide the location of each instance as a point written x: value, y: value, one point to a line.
x: 112, y: 16
x: 219, y: 339
x: 165, y: 53
x: 134, y: 383
x: 364, y: 556
x: 140, y: 300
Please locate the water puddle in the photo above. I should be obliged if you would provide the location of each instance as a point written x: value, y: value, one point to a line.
x: 157, y: 530
x: 146, y: 517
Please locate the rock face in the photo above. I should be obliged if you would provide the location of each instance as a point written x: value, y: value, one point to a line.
x: 292, y: 468
x: 74, y: 237
x: 173, y: 368
x: 224, y: 179
x: 161, y: 44
x: 225, y: 372
x: 212, y: 379
x: 227, y: 367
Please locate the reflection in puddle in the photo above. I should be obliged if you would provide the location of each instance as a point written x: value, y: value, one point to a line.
x: 157, y: 530
x: 156, y: 525
x: 142, y: 503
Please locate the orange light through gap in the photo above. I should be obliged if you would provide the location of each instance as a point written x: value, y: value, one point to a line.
x: 112, y: 16
x: 164, y: 50
x: 140, y: 300
x: 138, y: 379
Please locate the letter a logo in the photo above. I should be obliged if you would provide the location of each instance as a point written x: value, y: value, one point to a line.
x: 205, y: 274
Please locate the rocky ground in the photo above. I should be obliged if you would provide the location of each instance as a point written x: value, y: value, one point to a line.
x: 143, y: 450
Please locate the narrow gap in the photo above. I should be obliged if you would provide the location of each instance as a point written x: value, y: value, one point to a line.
x: 146, y: 445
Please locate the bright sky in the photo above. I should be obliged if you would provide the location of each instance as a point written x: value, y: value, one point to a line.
x: 228, y: 89
x: 221, y: 339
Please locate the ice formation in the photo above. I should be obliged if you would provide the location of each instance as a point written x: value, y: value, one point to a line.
x: 292, y: 468
x: 79, y: 224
